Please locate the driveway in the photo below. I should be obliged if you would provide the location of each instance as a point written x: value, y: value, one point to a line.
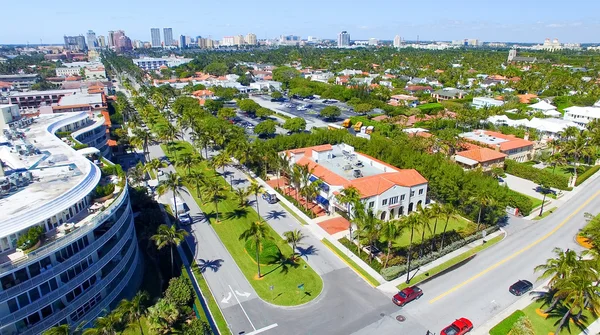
x: 521, y: 185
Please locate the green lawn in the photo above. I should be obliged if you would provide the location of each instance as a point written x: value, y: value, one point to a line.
x: 454, y: 224
x: 218, y: 317
x: 566, y: 170
x: 283, y: 277
x: 548, y: 325
x: 422, y: 276
x: 351, y: 263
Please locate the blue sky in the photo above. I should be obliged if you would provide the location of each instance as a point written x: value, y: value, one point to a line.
x: 487, y: 20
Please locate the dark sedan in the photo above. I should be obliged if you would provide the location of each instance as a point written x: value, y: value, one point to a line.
x: 520, y: 287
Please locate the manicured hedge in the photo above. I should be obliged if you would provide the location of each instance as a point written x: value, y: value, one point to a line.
x: 537, y: 176
x: 584, y: 176
x: 504, y: 327
x: 520, y: 201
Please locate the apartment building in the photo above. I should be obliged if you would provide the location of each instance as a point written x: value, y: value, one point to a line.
x: 386, y: 190
x: 86, y: 258
x: 518, y: 149
x: 20, y: 81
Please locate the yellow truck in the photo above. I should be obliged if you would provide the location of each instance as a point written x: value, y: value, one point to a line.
x: 346, y: 123
x: 357, y: 126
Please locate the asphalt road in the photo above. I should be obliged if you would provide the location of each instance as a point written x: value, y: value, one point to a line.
x: 478, y: 290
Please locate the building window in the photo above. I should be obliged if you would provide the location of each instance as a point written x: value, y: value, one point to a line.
x: 412, y: 193
x: 402, y: 197
x: 371, y: 204
x: 393, y: 200
x: 420, y: 191
x: 384, y: 202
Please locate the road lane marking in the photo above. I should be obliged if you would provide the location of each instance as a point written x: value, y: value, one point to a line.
x: 508, y: 258
x: 242, y: 307
x: 264, y: 329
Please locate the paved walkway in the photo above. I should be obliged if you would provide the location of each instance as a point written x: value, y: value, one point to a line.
x: 390, y: 287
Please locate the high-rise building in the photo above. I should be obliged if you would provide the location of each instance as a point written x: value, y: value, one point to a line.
x: 228, y: 41
x: 182, y: 43
x: 343, y: 39
x: 238, y: 40
x: 123, y: 44
x: 168, y: 36
x: 75, y: 43
x: 111, y: 39
x: 188, y: 41
x: 251, y: 39
x: 373, y: 41
x: 91, y: 40
x: 155, y: 37
x: 397, y: 41
x: 101, y: 42
x: 84, y: 258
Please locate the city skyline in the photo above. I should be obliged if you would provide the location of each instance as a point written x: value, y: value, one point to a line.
x: 470, y: 19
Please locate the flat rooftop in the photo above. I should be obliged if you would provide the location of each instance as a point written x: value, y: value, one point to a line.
x: 54, y: 165
x: 481, y: 137
x: 49, y: 92
x: 344, y: 165
x: 81, y: 99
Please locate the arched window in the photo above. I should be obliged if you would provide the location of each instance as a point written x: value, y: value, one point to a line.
x: 391, y: 214
x: 410, y: 208
x: 383, y: 215
x: 419, y: 203
x: 401, y: 211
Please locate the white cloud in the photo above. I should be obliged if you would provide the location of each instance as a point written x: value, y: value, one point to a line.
x: 555, y: 25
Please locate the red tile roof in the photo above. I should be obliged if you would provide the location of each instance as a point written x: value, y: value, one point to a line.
x: 482, y: 155
x: 5, y: 84
x: 203, y: 93
x: 107, y: 121
x: 418, y: 88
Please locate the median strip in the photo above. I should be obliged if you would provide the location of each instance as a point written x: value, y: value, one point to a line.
x: 360, y: 271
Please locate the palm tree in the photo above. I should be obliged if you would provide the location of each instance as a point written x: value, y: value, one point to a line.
x: 59, y: 330
x: 559, y: 267
x: 256, y: 189
x: 141, y: 139
x: 577, y: 293
x: 282, y: 164
x: 370, y: 225
x: 169, y: 236
x: 222, y: 160
x: 391, y: 231
x: 214, y: 191
x: 187, y: 161
x: 133, y: 310
x: 105, y: 325
x: 256, y: 232
x: 153, y: 165
x: 449, y: 212
x: 196, y: 180
x: 425, y: 216
x: 349, y: 196
x: 412, y: 221
x: 174, y: 184
x: 162, y: 316
x: 481, y: 200
x: 294, y: 237
x: 436, y: 211
x: 557, y: 158
x: 241, y: 195
x: 577, y: 148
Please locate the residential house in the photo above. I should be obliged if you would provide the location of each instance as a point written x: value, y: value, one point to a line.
x: 518, y: 149
x: 582, y: 115
x: 484, y: 158
x: 402, y: 100
x: 414, y: 89
x: 483, y: 102
x: 448, y: 93
x: 545, y: 108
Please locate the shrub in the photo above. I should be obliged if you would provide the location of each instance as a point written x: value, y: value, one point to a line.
x: 504, y: 327
x: 584, y: 176
x: 62, y: 134
x: 179, y: 291
x: 538, y: 176
x: 520, y: 201
x: 392, y: 272
x: 29, y: 239
x: 79, y: 146
x: 104, y: 190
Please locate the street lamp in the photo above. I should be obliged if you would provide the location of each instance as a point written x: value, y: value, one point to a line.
x: 231, y: 181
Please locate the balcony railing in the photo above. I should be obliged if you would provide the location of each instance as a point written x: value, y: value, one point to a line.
x: 69, y: 286
x: 98, y: 287
x: 57, y: 244
x: 58, y: 269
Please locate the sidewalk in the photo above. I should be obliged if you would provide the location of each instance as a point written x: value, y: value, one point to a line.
x: 390, y: 287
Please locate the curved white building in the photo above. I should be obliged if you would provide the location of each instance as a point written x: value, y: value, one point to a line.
x: 87, y: 257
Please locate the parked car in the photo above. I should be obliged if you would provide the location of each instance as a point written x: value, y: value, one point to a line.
x: 301, y: 108
x: 458, y: 327
x: 270, y: 197
x: 543, y: 190
x: 185, y: 219
x: 520, y: 287
x: 277, y: 99
x: 407, y: 295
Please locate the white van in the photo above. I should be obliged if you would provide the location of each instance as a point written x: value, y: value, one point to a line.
x: 182, y: 213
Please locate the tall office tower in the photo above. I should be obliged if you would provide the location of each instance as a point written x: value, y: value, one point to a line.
x: 188, y: 41
x: 155, y: 37
x: 343, y: 39
x: 251, y: 39
x: 168, y: 36
x: 238, y: 40
x: 124, y: 44
x: 91, y: 40
x: 228, y: 41
x: 116, y: 37
x: 397, y: 41
x: 182, y: 44
x: 101, y: 42
x: 81, y: 254
x: 75, y: 43
x: 111, y: 39
x: 373, y: 41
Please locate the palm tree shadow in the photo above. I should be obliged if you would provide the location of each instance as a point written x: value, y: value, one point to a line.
x: 305, y: 252
x: 283, y: 263
x: 225, y: 174
x: 559, y: 312
x: 274, y: 215
x: 237, y: 213
x: 239, y: 181
x: 213, y: 265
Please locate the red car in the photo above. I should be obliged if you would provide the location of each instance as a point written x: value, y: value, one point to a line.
x: 458, y: 327
x: 407, y: 295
